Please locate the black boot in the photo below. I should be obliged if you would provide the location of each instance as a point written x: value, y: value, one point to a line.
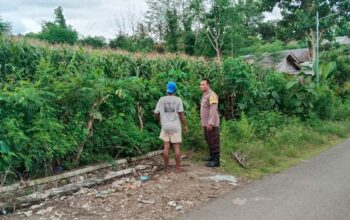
x: 208, y: 158
x: 215, y: 162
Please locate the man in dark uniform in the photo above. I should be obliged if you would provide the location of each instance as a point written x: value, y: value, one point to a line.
x: 210, y: 121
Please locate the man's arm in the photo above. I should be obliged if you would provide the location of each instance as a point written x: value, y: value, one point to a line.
x: 157, y: 112
x: 213, y: 100
x: 183, y: 121
x: 157, y: 117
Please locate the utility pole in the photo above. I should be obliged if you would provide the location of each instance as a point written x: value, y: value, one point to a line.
x: 317, y: 64
x: 317, y: 48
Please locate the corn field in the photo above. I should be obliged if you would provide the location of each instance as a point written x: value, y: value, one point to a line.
x: 63, y: 106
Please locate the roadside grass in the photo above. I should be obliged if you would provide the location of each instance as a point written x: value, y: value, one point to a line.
x: 283, y: 147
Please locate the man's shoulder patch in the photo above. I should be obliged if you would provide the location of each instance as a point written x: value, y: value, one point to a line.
x: 213, y: 98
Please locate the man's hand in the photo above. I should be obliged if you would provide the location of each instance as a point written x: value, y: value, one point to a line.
x: 209, y: 127
x: 186, y: 129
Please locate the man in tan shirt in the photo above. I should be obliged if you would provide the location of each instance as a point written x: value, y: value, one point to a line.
x: 210, y: 121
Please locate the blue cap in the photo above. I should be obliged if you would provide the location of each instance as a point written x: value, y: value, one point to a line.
x: 171, y: 87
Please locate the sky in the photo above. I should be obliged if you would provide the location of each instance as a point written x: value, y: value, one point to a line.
x: 88, y: 17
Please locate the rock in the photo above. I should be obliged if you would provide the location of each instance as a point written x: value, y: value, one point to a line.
x: 141, y: 167
x: 155, y: 168
x: 150, y: 202
x: 77, y: 179
x: 82, y: 191
x: 37, y: 206
x: 172, y: 203
x: 100, y: 195
x: 135, y: 185
x: 63, y: 198
x: 108, y: 209
x: 138, y: 184
x: 27, y: 214
x: 118, y: 183
x: 184, y: 157
x: 86, y: 206
x: 59, y: 215
x: 179, y: 207
x: 44, y: 211
x: 104, y: 194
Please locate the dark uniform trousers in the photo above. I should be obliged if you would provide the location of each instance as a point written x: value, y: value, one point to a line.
x: 213, y: 139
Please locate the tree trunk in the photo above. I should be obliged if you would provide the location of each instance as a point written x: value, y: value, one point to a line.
x: 140, y: 115
x: 81, y: 145
x: 218, y: 55
x: 218, y: 50
x: 90, y: 125
x: 313, y: 45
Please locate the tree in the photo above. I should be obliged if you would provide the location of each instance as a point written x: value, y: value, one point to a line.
x: 5, y: 27
x: 156, y: 17
x: 132, y: 43
x: 95, y: 42
x: 299, y: 17
x: 159, y: 11
x: 60, y: 20
x: 268, y: 30
x: 171, y: 30
x: 189, y: 42
x: 216, y: 22
x: 120, y: 42
x: 58, y: 31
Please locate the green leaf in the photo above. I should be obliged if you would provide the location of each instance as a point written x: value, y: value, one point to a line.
x: 97, y: 115
x: 291, y: 84
x: 275, y: 95
x: 4, y: 148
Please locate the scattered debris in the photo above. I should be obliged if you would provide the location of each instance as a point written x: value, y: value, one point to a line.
x: 150, y: 202
x: 184, y: 157
x: 239, y: 201
x: 27, y: 213
x: 4, y: 212
x: 226, y: 178
x: 105, y: 193
x: 172, y: 203
x: 241, y: 159
x: 86, y: 206
x: 44, y: 211
x: 82, y: 191
x: 141, y: 167
x: 37, y: 206
x: 178, y: 207
x: 163, y: 196
x: 144, y: 178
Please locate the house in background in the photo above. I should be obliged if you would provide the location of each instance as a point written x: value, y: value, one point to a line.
x: 295, y: 61
x: 287, y: 61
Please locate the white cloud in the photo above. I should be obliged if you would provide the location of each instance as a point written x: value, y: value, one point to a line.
x: 63, y: 3
x: 88, y: 17
x: 274, y: 15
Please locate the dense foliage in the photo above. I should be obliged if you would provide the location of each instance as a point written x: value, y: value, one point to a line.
x: 63, y: 106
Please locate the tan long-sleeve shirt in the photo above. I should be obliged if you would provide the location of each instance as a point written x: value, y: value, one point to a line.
x: 209, y: 109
